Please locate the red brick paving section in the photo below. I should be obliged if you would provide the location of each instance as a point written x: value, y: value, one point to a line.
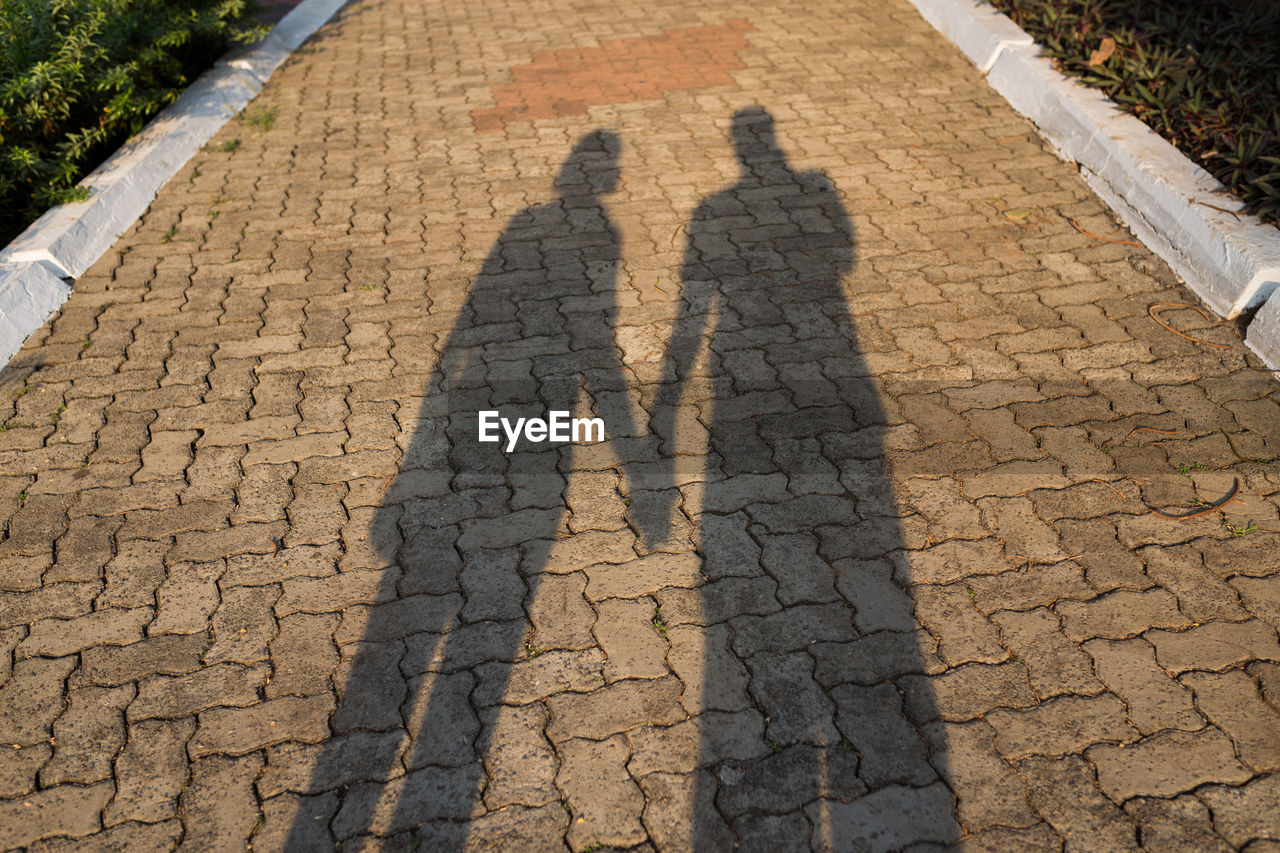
x: 566, y: 82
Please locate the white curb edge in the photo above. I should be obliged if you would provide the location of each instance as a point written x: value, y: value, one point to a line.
x: 61, y: 245
x: 28, y: 294
x: 1177, y: 209
x: 1264, y: 333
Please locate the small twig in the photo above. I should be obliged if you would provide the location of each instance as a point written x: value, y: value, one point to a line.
x: 1133, y: 243
x: 676, y: 234
x: 1119, y: 493
x: 1151, y: 312
x: 1218, y: 504
x: 1221, y: 209
x: 1010, y: 139
x: 658, y: 287
x: 1150, y: 429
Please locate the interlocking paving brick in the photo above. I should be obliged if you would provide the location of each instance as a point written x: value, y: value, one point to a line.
x: 604, y: 801
x: 744, y: 784
x: 964, y: 634
x: 1062, y: 726
x: 615, y: 708
x: 1065, y: 793
x: 87, y: 735
x: 865, y: 558
x: 1243, y: 813
x: 967, y: 692
x: 237, y: 731
x: 1153, y: 700
x: 220, y: 803
x: 891, y: 817
x: 991, y: 793
x: 1055, y: 665
x: 1121, y: 614
x: 151, y: 771
x: 1230, y: 702
x: 69, y: 810
x: 1166, y: 764
x: 111, y: 626
x: 666, y: 820
x: 633, y: 645
x: 1215, y: 645
x: 1179, y: 823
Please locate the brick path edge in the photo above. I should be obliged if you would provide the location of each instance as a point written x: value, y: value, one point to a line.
x: 1177, y: 209
x: 37, y: 268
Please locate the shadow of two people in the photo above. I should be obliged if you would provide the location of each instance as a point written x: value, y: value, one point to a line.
x: 765, y: 445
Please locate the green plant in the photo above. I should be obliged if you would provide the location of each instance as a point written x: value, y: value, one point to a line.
x: 658, y: 624
x: 1204, y: 74
x: 1187, y: 468
x: 1238, y: 531
x: 230, y: 145
x: 77, y: 77
x: 262, y: 118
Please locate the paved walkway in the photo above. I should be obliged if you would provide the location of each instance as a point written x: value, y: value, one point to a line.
x: 864, y: 562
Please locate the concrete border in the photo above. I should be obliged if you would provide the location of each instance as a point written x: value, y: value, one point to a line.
x: 1177, y: 209
x: 37, y: 267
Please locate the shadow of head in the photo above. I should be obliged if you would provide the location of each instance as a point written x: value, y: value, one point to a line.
x: 592, y: 167
x: 754, y: 139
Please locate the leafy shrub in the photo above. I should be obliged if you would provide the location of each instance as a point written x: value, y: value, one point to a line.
x: 1204, y: 74
x: 77, y: 77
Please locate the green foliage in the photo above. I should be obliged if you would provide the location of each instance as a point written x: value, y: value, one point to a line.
x: 1204, y: 74
x: 77, y: 77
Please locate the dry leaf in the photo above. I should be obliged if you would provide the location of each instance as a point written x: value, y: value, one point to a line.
x: 1103, y: 53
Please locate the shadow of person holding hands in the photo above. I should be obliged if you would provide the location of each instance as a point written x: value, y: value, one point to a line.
x: 804, y: 630
x: 470, y: 526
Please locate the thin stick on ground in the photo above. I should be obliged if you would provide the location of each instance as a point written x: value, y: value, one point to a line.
x: 1090, y: 234
x: 1150, y: 429
x: 1151, y: 312
x: 1218, y: 504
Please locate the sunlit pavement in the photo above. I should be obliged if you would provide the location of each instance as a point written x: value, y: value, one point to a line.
x: 866, y: 559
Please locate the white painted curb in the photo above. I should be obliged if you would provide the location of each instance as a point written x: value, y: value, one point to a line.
x: 26, y: 291
x: 1177, y: 209
x: 980, y: 32
x: 68, y: 239
x: 1264, y: 333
